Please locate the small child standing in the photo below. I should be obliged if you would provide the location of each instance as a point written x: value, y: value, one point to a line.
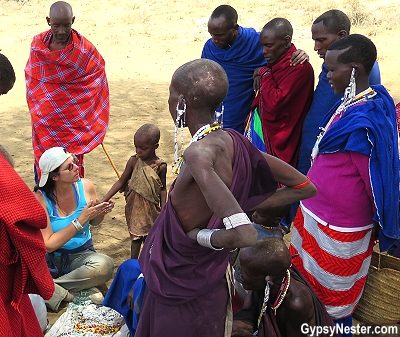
x: 145, y: 177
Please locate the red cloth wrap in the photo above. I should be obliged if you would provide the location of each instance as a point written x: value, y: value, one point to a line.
x: 67, y: 95
x: 23, y: 268
x: 286, y: 96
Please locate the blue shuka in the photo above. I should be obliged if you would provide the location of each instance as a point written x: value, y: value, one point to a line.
x: 128, y: 276
x: 371, y: 129
x: 239, y: 62
x: 324, y: 99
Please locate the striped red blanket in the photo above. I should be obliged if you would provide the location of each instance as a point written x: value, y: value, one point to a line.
x: 334, y: 263
x: 67, y: 95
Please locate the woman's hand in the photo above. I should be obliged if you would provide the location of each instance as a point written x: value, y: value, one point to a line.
x: 94, y: 209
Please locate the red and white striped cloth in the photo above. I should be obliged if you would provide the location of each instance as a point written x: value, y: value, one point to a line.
x: 334, y: 262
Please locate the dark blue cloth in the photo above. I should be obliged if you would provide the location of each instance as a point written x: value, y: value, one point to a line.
x: 127, y: 276
x: 239, y: 61
x: 344, y: 324
x: 324, y: 99
x: 65, y: 263
x: 370, y: 128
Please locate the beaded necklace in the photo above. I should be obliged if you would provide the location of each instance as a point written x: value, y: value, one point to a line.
x: 281, y: 296
x: 361, y: 97
x: 200, y: 134
x: 282, y: 292
x: 273, y: 228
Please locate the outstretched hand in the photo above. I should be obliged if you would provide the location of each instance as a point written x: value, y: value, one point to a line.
x: 95, y: 208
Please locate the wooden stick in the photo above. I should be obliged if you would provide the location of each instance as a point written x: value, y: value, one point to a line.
x: 111, y: 161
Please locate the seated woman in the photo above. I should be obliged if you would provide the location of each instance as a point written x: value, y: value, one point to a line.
x: 71, y: 205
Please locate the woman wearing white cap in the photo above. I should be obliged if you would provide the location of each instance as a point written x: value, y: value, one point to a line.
x: 71, y: 205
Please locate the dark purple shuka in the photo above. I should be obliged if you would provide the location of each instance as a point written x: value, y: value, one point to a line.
x: 186, y: 292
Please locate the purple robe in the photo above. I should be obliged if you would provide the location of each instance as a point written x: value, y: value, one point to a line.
x: 187, y: 293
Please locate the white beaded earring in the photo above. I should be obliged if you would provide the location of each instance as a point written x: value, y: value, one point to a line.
x: 179, y: 123
x: 350, y: 91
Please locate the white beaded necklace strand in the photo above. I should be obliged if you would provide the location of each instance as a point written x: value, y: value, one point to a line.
x: 200, y: 134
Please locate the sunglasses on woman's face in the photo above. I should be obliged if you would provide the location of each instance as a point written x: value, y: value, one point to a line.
x: 70, y: 166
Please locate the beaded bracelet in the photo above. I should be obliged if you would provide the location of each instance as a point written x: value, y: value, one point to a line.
x: 204, y: 238
x: 77, y: 225
x: 236, y: 220
x: 302, y: 185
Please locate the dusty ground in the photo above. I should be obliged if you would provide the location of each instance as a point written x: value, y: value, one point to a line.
x: 143, y: 42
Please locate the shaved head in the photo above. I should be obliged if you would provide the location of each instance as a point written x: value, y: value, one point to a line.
x: 202, y: 82
x: 272, y: 256
x: 61, y: 8
x: 281, y: 26
x: 228, y: 12
x: 150, y: 131
x: 268, y: 259
x: 334, y: 21
x: 60, y: 21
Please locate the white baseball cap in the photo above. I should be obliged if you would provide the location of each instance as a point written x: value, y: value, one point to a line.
x: 50, y: 160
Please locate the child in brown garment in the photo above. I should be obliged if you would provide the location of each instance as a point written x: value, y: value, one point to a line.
x: 145, y: 178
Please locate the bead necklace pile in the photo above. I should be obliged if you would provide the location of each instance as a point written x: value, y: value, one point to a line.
x: 84, y: 318
x: 360, y: 98
x: 200, y: 134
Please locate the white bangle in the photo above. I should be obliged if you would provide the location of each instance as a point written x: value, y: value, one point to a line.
x: 204, y: 238
x: 236, y: 220
x: 77, y: 225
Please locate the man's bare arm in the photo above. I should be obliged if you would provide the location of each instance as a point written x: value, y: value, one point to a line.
x: 200, y: 161
x: 286, y: 175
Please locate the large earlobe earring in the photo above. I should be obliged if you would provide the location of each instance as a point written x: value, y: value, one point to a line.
x: 180, y: 114
x: 350, y: 91
x: 180, y: 122
x: 219, y: 117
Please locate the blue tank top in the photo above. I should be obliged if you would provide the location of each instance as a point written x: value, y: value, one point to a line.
x: 58, y: 223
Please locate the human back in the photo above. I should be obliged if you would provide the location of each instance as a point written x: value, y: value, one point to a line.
x: 186, y: 197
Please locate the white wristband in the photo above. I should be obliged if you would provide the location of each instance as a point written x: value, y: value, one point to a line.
x: 236, y: 220
x: 77, y: 225
x: 204, y: 238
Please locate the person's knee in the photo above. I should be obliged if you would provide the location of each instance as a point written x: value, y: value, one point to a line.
x: 105, y: 267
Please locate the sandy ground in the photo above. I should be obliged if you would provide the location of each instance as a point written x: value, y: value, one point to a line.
x: 143, y: 42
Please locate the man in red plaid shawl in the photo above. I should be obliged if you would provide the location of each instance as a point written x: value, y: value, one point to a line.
x: 67, y: 89
x: 23, y: 267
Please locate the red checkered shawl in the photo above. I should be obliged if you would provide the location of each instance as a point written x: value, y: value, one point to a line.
x: 67, y: 95
x: 23, y: 268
